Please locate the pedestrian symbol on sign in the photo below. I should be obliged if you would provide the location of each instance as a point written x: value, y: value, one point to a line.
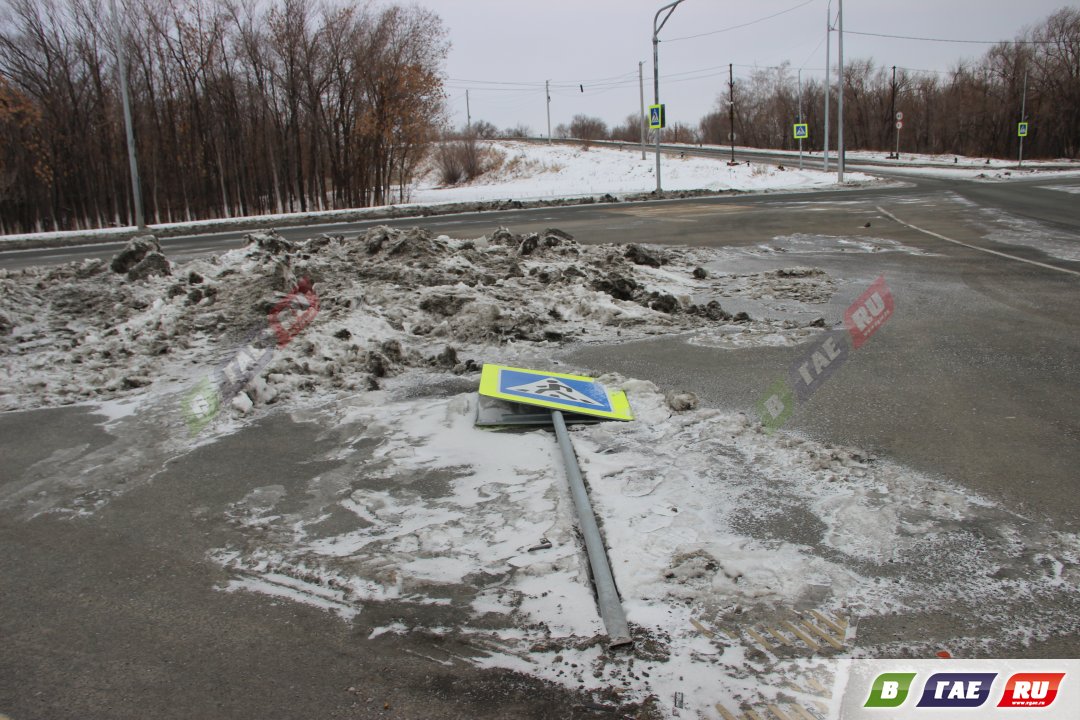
x: 657, y: 119
x: 553, y: 388
x: 802, y: 131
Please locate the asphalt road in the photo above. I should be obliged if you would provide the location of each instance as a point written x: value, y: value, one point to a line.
x: 973, y: 379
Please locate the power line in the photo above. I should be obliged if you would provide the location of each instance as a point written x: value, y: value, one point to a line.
x: 736, y: 27
x: 950, y: 40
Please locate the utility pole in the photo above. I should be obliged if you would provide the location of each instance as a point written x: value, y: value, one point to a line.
x: 840, y: 102
x: 133, y: 163
x: 731, y: 109
x: 1023, y: 118
x: 547, y: 92
x: 828, y: 82
x: 656, y: 73
x: 892, y: 111
x: 468, y: 114
x: 800, y: 116
x: 641, y: 90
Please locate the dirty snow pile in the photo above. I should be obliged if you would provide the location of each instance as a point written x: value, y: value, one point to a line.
x: 537, y: 170
x: 387, y: 300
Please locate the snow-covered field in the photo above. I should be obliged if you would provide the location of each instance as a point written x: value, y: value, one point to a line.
x: 536, y: 170
x: 743, y: 557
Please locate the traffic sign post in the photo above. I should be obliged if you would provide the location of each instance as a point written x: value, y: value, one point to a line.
x: 801, y: 132
x: 899, y: 125
x: 581, y: 395
x: 657, y: 117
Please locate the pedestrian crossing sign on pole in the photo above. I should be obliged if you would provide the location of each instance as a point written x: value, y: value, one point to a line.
x: 802, y: 131
x: 657, y: 117
x: 557, y: 391
x: 1022, y: 129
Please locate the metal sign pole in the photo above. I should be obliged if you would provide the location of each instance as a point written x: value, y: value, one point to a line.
x: 611, y: 609
x: 800, y: 117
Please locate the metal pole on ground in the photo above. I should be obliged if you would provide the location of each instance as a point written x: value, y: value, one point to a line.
x: 607, y: 596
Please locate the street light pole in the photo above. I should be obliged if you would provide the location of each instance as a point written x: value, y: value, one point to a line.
x: 731, y: 109
x: 828, y: 81
x: 1023, y: 118
x: 670, y: 7
x: 892, y: 111
x: 840, y: 101
x: 547, y: 93
x: 641, y: 91
x: 133, y: 163
x: 800, y: 116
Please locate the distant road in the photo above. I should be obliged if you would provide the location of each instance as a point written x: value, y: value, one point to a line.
x: 1026, y: 198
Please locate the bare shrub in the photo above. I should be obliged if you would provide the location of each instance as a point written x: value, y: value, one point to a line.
x: 464, y: 159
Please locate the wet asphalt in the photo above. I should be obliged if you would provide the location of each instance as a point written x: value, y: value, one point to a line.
x: 974, y: 378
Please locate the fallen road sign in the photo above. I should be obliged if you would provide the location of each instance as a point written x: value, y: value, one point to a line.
x: 555, y: 391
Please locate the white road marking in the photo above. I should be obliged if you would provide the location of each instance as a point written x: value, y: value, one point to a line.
x: 889, y: 215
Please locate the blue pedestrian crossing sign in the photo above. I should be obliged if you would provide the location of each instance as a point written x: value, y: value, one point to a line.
x: 1021, y: 129
x: 802, y: 131
x: 657, y: 116
x: 558, y: 391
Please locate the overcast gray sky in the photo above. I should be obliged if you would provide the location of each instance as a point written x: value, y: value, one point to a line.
x: 598, y: 43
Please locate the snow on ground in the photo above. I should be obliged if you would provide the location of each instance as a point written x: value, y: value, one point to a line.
x: 533, y: 171
x: 741, y: 555
x: 537, y: 170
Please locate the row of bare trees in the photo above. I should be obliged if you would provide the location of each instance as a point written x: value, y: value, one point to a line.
x: 240, y: 107
x: 972, y: 110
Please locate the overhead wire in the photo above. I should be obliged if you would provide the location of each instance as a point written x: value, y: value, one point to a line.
x: 746, y: 24
x: 950, y: 40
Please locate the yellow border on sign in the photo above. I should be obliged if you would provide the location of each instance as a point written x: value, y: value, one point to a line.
x: 489, y: 386
x: 795, y: 131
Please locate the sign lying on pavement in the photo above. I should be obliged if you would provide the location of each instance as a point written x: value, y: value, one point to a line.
x: 556, y: 391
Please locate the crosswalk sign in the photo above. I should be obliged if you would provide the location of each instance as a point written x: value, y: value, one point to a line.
x: 557, y: 391
x: 802, y: 131
x: 1021, y: 129
x: 657, y: 117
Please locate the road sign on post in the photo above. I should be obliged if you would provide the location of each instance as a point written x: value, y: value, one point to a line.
x: 1022, y: 129
x: 657, y: 117
x: 802, y: 131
